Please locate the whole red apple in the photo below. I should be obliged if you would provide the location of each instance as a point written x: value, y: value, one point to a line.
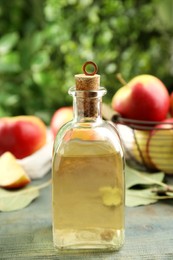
x: 145, y: 97
x: 22, y: 135
x: 59, y: 118
x: 160, y: 146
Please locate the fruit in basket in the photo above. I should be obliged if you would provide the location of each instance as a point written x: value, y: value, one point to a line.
x: 135, y: 144
x: 21, y: 135
x: 160, y: 146
x: 171, y: 104
x: 59, y: 118
x: 139, y: 148
x: 12, y: 175
x: 145, y: 97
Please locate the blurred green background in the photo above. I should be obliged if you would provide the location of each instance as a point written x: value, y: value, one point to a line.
x: 44, y: 43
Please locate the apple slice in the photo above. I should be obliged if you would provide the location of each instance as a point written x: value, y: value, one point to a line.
x: 12, y: 175
x: 160, y: 146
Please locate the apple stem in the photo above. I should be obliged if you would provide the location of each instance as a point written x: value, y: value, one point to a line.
x: 121, y: 79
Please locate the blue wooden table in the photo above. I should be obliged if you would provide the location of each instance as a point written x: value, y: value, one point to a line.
x: 27, y: 233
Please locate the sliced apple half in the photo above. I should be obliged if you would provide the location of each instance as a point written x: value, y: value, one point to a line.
x: 12, y: 175
x: 160, y: 146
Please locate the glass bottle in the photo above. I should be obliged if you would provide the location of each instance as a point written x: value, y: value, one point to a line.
x: 88, y: 175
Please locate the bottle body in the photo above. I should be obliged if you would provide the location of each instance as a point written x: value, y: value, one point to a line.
x: 88, y: 187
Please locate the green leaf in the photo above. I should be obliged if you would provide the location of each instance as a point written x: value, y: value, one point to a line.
x: 36, y: 41
x: 140, y: 197
x: 143, y: 196
x: 40, y: 61
x: 15, y: 200
x: 135, y: 177
x: 7, y: 42
x: 164, y: 13
x: 44, y: 78
x: 10, y: 63
x: 19, y: 199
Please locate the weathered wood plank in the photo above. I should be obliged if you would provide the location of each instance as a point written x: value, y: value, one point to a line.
x: 27, y: 234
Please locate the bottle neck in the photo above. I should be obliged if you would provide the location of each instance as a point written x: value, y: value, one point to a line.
x: 87, y: 110
x: 87, y: 105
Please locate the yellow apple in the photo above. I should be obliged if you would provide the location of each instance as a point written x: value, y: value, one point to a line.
x: 139, y: 148
x: 160, y: 146
x: 12, y: 175
x: 135, y: 144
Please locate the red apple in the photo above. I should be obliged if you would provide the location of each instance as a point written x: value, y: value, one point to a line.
x: 12, y: 175
x: 21, y: 135
x: 59, y: 118
x: 171, y: 104
x: 160, y: 146
x: 145, y: 97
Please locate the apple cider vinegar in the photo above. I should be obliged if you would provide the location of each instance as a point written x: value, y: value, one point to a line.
x: 88, y: 196
x: 88, y: 178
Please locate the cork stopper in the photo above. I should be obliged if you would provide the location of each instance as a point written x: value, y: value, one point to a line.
x: 89, y: 80
x: 88, y: 85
